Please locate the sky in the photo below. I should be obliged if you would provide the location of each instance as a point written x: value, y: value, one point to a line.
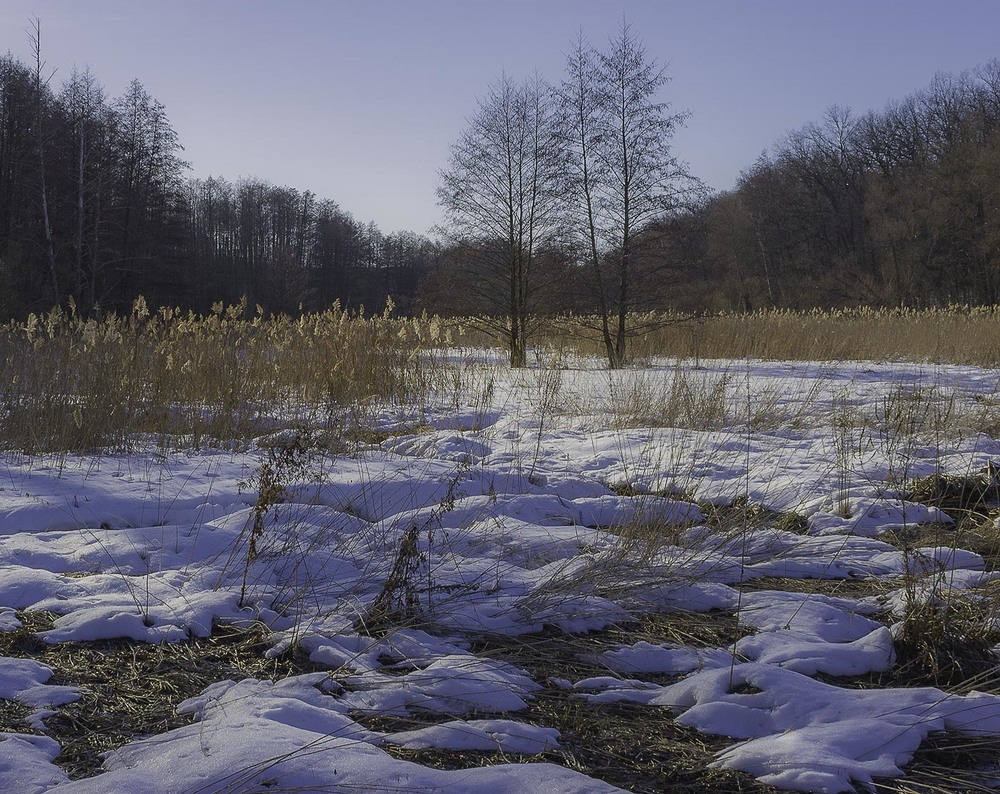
x: 359, y: 101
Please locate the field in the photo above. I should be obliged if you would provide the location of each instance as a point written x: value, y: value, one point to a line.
x: 249, y: 554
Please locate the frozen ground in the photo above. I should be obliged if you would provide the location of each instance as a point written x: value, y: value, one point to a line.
x: 553, y: 498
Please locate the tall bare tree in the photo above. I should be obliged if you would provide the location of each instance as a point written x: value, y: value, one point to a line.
x: 498, y: 195
x: 622, y: 175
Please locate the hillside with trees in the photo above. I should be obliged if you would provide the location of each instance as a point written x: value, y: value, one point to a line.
x: 893, y: 207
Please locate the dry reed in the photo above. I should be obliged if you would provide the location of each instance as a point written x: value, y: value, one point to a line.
x: 953, y: 334
x: 73, y: 384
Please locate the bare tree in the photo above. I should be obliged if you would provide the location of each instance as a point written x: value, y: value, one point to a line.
x: 498, y: 196
x: 580, y: 127
x: 622, y: 175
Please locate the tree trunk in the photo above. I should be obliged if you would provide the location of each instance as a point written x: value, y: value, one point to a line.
x: 49, y: 246
x: 80, y: 280
x: 36, y: 40
x: 518, y: 348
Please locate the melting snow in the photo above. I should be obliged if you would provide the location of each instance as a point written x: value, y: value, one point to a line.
x: 488, y: 524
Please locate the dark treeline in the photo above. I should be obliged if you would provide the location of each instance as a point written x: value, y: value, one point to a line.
x: 895, y: 207
x: 287, y: 250
x: 95, y: 206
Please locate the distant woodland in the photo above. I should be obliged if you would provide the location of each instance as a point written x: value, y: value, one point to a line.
x: 95, y: 206
x: 899, y: 206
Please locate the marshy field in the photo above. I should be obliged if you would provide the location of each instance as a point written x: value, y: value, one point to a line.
x: 252, y: 553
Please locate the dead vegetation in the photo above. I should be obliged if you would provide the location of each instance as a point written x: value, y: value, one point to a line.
x: 130, y: 690
x: 949, y: 764
x: 956, y: 334
x: 633, y: 747
x: 185, y: 380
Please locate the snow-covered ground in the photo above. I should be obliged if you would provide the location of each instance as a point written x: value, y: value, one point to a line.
x: 500, y: 510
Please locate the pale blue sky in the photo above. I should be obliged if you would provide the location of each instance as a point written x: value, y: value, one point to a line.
x: 359, y: 101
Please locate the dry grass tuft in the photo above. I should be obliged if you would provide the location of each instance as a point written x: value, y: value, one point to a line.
x: 968, y: 497
x: 949, y: 764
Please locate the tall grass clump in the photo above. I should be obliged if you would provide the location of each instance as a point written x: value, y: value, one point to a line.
x: 682, y: 400
x: 83, y: 384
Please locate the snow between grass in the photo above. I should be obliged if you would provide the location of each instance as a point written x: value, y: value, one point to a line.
x: 573, y: 520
